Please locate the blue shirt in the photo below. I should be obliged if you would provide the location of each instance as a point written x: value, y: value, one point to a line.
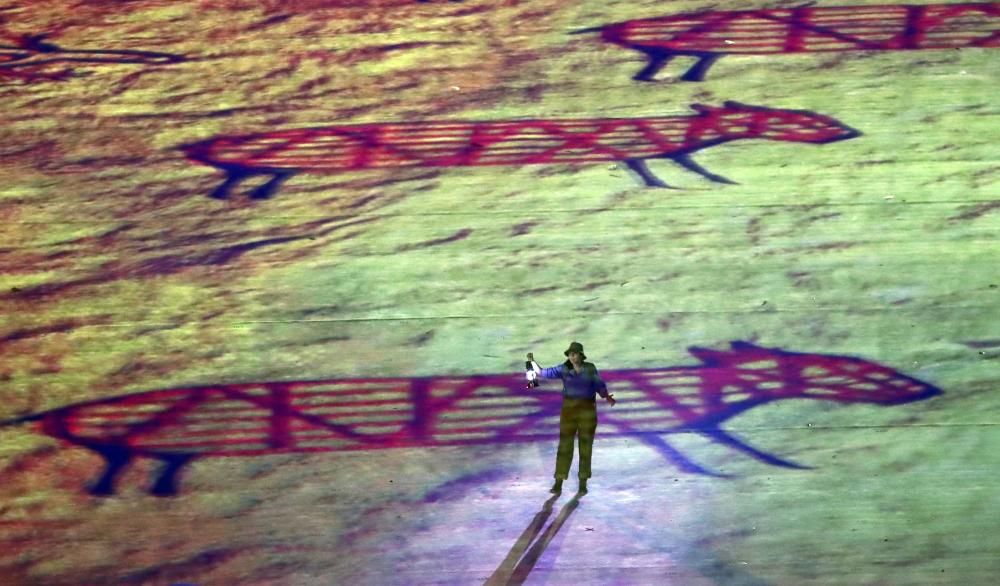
x: 585, y: 385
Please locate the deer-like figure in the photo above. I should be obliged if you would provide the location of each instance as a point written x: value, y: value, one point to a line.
x: 281, y: 154
x: 251, y: 419
x: 709, y: 36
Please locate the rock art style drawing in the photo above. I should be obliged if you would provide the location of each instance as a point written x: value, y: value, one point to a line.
x: 711, y: 35
x: 31, y: 57
x: 280, y: 154
x: 254, y: 419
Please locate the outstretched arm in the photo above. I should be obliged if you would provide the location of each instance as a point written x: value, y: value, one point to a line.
x: 551, y: 372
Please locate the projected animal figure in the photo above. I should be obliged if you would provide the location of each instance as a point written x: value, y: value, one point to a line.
x: 332, y: 149
x: 252, y: 419
x: 30, y: 57
x: 711, y: 35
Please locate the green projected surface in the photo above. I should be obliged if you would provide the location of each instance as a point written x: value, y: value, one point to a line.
x: 269, y: 271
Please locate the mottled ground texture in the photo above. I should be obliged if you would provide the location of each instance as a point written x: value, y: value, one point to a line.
x: 119, y: 274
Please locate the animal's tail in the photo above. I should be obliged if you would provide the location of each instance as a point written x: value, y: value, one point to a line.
x: 20, y: 420
x: 593, y: 29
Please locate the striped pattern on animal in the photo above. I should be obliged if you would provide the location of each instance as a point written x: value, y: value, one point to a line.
x: 334, y: 149
x: 252, y: 419
x: 710, y: 35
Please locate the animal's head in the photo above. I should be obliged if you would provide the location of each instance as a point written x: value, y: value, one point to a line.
x: 776, y: 373
x: 734, y: 120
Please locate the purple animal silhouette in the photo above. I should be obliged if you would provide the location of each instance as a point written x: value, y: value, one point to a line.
x: 893, y: 27
x: 281, y: 154
x: 251, y: 419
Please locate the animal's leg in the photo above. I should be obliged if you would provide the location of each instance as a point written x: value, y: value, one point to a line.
x: 640, y: 168
x: 657, y: 59
x: 233, y: 176
x: 679, y: 459
x: 115, y: 458
x: 268, y: 189
x: 166, y: 482
x: 700, y: 68
x: 685, y: 160
x: 724, y: 438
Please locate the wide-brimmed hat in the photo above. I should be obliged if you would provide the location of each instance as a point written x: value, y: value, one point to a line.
x: 575, y: 347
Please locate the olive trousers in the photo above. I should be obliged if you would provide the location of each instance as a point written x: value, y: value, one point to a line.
x: 578, y: 418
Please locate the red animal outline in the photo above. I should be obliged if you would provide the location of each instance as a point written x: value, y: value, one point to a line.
x: 178, y: 425
x: 711, y: 35
x: 333, y: 149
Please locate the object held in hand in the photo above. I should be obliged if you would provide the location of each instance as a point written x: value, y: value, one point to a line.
x: 529, y: 372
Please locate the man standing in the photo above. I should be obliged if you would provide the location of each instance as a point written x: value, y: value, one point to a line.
x: 578, y: 417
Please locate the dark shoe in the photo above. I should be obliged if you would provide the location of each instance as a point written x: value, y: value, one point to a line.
x: 583, y: 486
x: 556, y: 488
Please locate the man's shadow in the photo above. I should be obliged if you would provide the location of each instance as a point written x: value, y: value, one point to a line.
x: 521, y: 559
